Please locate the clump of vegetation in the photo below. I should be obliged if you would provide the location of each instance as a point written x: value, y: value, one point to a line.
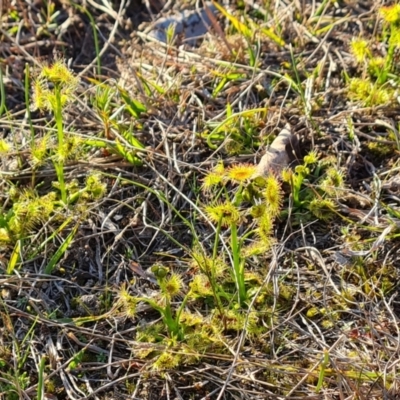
x: 378, y: 81
x: 141, y: 247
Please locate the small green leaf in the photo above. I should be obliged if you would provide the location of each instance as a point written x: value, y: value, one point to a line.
x: 96, y: 143
x: 14, y: 258
x: 133, y: 106
x: 130, y: 138
x: 239, y: 26
x: 270, y: 33
x: 129, y: 155
x: 61, y: 250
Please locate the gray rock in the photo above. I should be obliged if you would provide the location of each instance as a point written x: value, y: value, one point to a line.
x: 189, y: 25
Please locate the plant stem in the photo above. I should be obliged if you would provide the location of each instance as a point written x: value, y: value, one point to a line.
x: 238, y: 265
x: 2, y: 93
x: 59, y: 164
x: 211, y: 274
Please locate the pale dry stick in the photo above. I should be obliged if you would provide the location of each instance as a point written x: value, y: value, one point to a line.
x: 321, y: 43
x: 395, y: 320
x: 253, y: 4
x: 322, y: 14
x: 164, y: 140
x: 395, y: 353
x: 93, y: 348
x: 167, y: 389
x: 175, y: 159
x: 115, y: 209
x: 97, y: 257
x: 208, y: 396
x: 137, y: 386
x: 375, y: 5
x: 392, y: 128
x: 312, y: 12
x: 106, y: 9
x: 19, y: 31
x: 316, y: 255
x: 148, y: 8
x: 139, y: 83
x: 89, y: 388
x: 332, y: 68
x: 390, y: 171
x: 392, y: 338
x: 198, y: 370
x: 284, y: 99
x: 293, y: 311
x: 307, y: 96
x: 176, y: 197
x: 168, y: 5
x: 192, y: 141
x: 69, y: 385
x: 288, y: 224
x: 108, y: 42
x: 288, y: 319
x: 200, y: 104
x: 117, y: 180
x: 216, y: 380
x: 158, y: 229
x: 321, y: 341
x: 324, y: 293
x: 345, y: 66
x: 285, y: 9
x: 376, y: 191
x: 120, y: 234
x: 160, y: 71
x: 110, y: 361
x: 275, y: 283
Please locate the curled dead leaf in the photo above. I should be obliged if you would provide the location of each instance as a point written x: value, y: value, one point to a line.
x: 281, y: 153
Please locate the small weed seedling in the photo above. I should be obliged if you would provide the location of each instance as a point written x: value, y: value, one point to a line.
x: 53, y: 89
x: 379, y: 79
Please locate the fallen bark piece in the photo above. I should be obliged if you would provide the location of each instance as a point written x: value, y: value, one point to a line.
x: 279, y: 155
